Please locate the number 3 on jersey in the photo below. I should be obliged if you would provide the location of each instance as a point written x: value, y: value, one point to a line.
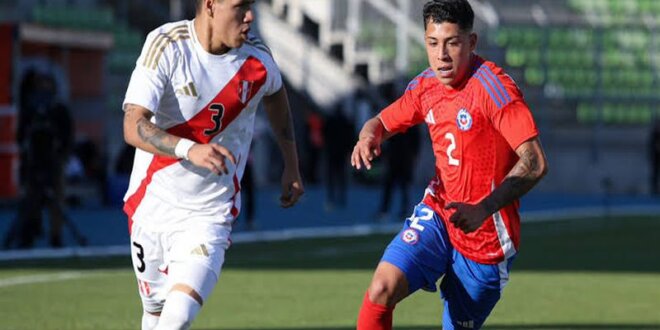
x: 452, y: 146
x: 218, y: 111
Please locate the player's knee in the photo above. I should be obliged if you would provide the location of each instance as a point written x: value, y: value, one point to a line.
x: 389, y: 285
x: 180, y: 310
x: 152, y: 305
x: 382, y: 292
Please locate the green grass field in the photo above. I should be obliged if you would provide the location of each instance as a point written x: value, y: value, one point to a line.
x: 586, y: 274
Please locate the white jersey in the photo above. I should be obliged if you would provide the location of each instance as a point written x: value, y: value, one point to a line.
x: 202, y: 97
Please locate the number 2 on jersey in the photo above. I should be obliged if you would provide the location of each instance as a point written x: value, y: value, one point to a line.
x: 218, y: 111
x: 452, y: 146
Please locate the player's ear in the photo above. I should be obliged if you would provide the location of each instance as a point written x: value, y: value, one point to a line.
x: 207, y: 6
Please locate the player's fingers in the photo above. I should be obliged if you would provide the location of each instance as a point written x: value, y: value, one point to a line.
x: 285, y: 198
x: 451, y: 205
x: 355, y: 158
x: 224, y: 151
x: 292, y: 196
x: 211, y: 167
x: 366, y: 157
x: 455, y: 218
x: 376, y: 151
x: 219, y: 165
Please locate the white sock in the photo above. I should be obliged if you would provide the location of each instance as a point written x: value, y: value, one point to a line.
x: 179, y: 311
x: 149, y: 321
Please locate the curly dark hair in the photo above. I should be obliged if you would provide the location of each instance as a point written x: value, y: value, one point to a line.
x: 452, y: 11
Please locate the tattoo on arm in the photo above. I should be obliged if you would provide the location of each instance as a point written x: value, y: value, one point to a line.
x: 155, y: 136
x: 521, y: 179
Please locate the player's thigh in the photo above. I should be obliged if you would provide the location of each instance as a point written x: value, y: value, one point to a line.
x: 421, y: 250
x: 196, y: 256
x: 471, y: 290
x: 149, y: 267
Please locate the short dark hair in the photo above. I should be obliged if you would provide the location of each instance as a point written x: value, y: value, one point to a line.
x: 452, y: 11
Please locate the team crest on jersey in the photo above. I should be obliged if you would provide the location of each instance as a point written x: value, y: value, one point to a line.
x: 244, y: 90
x: 463, y: 120
x: 410, y: 236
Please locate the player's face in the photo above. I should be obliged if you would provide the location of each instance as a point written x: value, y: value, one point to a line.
x: 449, y: 50
x: 231, y: 21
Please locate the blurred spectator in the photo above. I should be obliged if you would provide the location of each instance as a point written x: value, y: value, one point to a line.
x: 399, y: 154
x: 124, y: 163
x: 117, y: 182
x: 93, y: 163
x: 655, y: 157
x: 247, y: 194
x: 363, y: 110
x: 339, y: 131
x: 44, y: 136
x: 314, y: 145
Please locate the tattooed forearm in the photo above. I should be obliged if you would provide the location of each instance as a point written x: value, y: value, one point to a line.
x: 524, y: 175
x: 155, y: 136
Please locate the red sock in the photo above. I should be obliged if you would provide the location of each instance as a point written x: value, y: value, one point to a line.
x: 374, y: 316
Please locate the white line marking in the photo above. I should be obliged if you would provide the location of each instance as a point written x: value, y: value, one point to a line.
x: 41, y: 278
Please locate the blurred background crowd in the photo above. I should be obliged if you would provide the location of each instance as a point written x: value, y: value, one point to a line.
x: 589, y: 69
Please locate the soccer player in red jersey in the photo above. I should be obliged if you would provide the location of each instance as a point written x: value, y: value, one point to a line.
x: 466, y: 230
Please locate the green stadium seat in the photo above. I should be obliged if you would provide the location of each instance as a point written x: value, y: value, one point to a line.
x: 515, y: 57
x: 586, y: 113
x: 534, y: 76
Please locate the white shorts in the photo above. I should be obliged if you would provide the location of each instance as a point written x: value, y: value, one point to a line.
x: 190, y: 256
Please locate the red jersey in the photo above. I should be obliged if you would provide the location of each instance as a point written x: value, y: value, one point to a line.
x: 474, y: 130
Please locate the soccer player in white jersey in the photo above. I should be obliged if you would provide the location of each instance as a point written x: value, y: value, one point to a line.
x: 189, y: 110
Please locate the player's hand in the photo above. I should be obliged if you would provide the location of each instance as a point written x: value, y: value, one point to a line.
x: 211, y: 156
x: 467, y: 217
x: 292, y: 187
x: 365, y: 151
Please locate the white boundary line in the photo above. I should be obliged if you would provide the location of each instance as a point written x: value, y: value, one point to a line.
x: 328, y: 232
x: 40, y: 278
x: 54, y: 277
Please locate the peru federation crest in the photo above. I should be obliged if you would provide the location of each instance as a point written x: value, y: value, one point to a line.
x: 244, y: 90
x: 463, y: 120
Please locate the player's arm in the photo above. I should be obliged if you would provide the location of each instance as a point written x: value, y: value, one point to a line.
x: 372, y: 135
x: 525, y: 174
x: 281, y: 121
x: 141, y: 133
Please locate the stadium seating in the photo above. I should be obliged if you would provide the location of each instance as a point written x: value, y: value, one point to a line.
x: 609, y: 58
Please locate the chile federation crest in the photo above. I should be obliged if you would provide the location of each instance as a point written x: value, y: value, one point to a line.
x: 463, y: 120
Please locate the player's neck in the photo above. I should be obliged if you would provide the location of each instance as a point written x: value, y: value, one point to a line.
x: 204, y: 32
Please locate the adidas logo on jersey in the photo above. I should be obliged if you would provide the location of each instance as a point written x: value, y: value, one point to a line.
x: 430, y: 119
x: 200, y: 251
x: 188, y: 90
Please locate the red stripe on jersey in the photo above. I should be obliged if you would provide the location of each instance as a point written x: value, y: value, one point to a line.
x: 252, y: 74
x: 131, y: 204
